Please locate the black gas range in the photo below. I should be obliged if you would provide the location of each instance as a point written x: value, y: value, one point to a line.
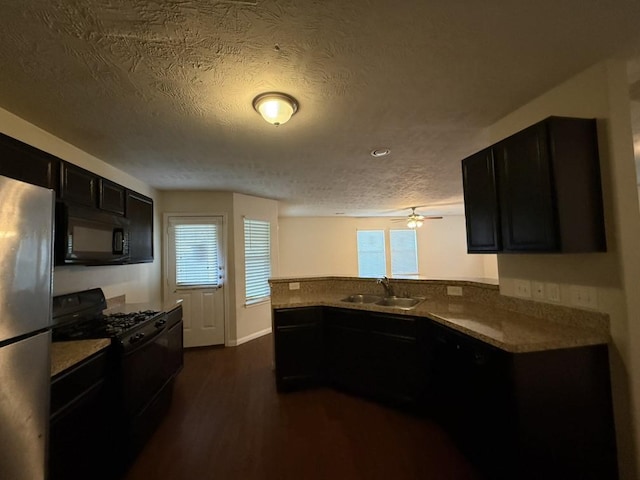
x: 80, y: 316
x: 141, y: 353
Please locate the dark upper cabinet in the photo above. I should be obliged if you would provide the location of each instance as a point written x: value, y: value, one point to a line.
x: 139, y: 211
x: 527, y: 196
x: 111, y: 197
x: 481, y: 202
x: 78, y: 185
x: 28, y: 164
x: 546, y: 179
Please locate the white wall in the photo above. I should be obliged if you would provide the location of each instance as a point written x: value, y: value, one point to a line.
x: 140, y: 283
x: 327, y: 246
x: 243, y: 322
x: 600, y: 92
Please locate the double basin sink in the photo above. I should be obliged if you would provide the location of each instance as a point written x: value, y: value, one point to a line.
x: 402, y: 303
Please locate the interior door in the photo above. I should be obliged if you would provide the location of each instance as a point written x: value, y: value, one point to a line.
x: 195, y: 274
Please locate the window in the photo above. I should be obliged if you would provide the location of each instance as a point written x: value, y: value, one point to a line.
x: 257, y: 260
x: 372, y: 257
x: 404, y: 254
x: 371, y: 253
x: 196, y: 254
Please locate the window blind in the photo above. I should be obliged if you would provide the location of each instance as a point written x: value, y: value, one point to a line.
x: 404, y: 252
x: 257, y: 259
x: 196, y: 255
x: 371, y: 253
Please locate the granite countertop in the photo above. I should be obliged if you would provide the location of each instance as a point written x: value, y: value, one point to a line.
x: 65, y: 355
x: 505, y: 329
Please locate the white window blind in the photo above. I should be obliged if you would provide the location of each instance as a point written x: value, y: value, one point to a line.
x: 404, y: 252
x: 196, y: 255
x: 257, y: 259
x: 371, y: 253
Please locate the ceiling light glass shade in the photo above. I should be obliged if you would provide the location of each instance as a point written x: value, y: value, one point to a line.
x: 276, y: 108
x: 415, y: 221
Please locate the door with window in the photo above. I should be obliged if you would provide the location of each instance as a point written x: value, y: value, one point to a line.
x: 195, y: 274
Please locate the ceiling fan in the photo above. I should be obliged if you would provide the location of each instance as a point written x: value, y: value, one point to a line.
x: 415, y: 220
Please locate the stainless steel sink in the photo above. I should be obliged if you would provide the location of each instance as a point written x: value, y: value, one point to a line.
x: 362, y: 298
x: 404, y: 303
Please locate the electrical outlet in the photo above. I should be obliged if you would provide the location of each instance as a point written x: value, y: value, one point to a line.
x: 457, y: 291
x: 294, y: 286
x: 538, y: 290
x: 553, y: 292
x: 582, y: 296
x: 522, y: 288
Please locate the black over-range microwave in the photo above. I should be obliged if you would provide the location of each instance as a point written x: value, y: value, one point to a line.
x: 89, y: 236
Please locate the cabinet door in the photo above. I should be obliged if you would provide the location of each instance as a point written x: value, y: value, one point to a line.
x: 140, y: 214
x: 527, y: 197
x: 78, y: 185
x: 298, y: 347
x: 28, y: 164
x: 481, y: 203
x: 393, y: 360
x: 111, y: 197
x: 347, y: 350
x: 82, y: 422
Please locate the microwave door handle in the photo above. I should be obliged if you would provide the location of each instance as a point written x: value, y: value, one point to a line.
x: 118, y: 241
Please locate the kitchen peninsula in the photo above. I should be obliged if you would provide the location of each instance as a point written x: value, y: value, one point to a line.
x: 523, y: 387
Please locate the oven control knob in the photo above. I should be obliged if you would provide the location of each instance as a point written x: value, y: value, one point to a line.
x: 160, y: 323
x: 136, y: 338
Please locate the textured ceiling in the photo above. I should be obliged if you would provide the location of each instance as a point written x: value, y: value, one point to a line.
x: 163, y: 90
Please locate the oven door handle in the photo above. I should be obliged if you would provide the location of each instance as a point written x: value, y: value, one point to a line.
x: 145, y: 341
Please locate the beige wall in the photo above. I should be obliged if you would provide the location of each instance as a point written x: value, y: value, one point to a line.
x: 327, y: 246
x: 600, y: 92
x: 252, y: 320
x: 140, y: 283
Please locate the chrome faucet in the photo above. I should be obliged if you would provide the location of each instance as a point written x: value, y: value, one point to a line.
x: 386, y: 284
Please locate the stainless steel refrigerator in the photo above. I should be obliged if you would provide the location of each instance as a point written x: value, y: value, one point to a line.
x: 26, y: 247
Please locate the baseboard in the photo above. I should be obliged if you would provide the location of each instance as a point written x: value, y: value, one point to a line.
x: 248, y: 338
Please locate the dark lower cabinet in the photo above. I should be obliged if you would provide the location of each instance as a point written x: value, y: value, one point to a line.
x: 298, y: 347
x: 373, y: 354
x: 528, y: 415
x: 346, y: 352
x: 175, y: 336
x: 81, y: 437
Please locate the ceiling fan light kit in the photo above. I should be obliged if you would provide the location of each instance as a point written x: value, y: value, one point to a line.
x: 275, y: 107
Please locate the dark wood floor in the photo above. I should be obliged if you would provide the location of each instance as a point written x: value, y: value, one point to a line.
x: 228, y: 422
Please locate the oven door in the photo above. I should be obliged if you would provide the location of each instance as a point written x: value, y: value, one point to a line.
x: 143, y: 372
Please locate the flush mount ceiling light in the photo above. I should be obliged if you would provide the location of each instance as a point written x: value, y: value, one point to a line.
x: 276, y: 108
x: 380, y: 152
